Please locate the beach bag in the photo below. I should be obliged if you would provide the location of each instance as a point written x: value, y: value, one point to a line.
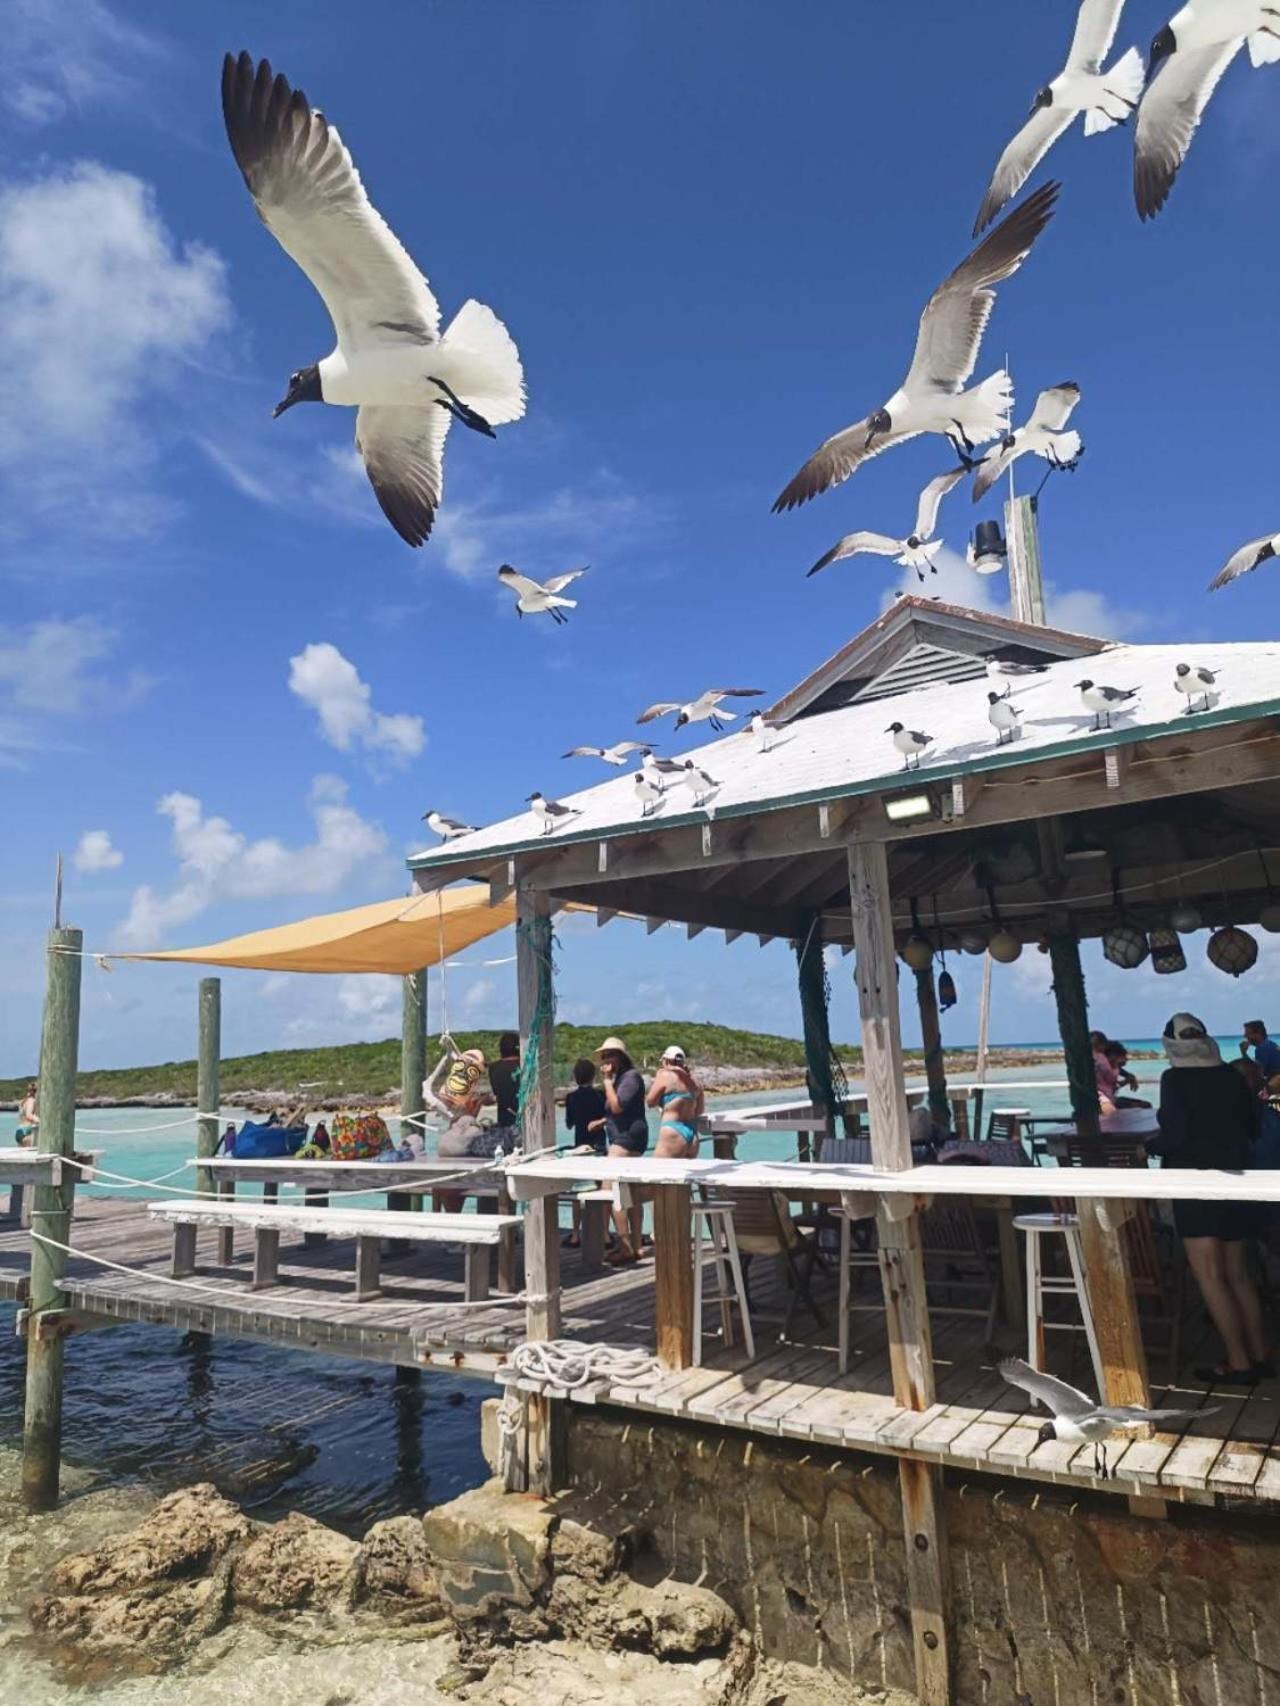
x: 358, y: 1137
x: 268, y: 1142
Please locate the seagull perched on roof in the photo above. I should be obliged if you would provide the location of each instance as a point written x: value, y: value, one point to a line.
x: 910, y: 743
x: 406, y: 378
x: 535, y: 597
x: 1041, y: 436
x: 659, y: 770
x: 697, y: 781
x: 919, y: 548
x: 1102, y: 701
x: 762, y: 730
x: 617, y: 754
x: 1105, y: 98
x: 551, y: 813
x: 1195, y: 682
x: 995, y: 667
x: 1003, y: 717
x: 1077, y: 1418
x: 1188, y: 58
x: 932, y: 397
x: 648, y: 792
x: 706, y: 708
x: 1246, y: 559
x: 447, y: 828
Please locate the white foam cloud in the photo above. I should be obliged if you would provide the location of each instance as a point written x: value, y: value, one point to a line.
x: 68, y: 55
x: 217, y: 862
x: 59, y: 670
x: 96, y: 853
x: 330, y: 684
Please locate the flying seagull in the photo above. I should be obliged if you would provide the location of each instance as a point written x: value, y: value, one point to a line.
x: 910, y: 743
x: 1077, y: 1418
x: 405, y: 377
x: 1003, y: 717
x: 706, y: 708
x: 551, y: 813
x: 1041, y: 436
x: 1188, y: 58
x: 535, y: 597
x: 1102, y: 701
x: 1105, y: 98
x: 610, y: 754
x: 447, y: 828
x: 918, y: 550
x: 932, y: 397
x: 1195, y: 682
x: 1246, y: 559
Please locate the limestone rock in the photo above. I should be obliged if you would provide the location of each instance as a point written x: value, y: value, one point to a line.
x: 397, y: 1576
x: 144, y: 1632
x: 673, y: 1619
x: 585, y: 1552
x: 571, y: 1675
x: 186, y: 1536
x: 296, y: 1563
x: 491, y: 1551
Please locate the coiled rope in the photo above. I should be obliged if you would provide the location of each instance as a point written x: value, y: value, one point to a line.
x: 568, y: 1365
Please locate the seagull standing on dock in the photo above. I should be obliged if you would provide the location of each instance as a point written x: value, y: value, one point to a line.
x: 550, y: 813
x: 617, y: 754
x: 1078, y: 1419
x: 1102, y: 701
x: 1003, y: 717
x: 1042, y: 436
x: 919, y: 548
x: 447, y: 828
x: 1246, y: 559
x: 910, y: 743
x: 533, y: 598
x: 1195, y: 682
x: 706, y: 708
x: 1188, y: 58
x: 392, y: 363
x: 1106, y: 98
x: 932, y: 397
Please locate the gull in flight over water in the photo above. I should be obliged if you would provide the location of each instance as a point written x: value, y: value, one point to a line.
x: 406, y: 379
x: 1102, y: 701
x: 534, y: 598
x: 1246, y: 559
x: 1187, y: 60
x: 706, y: 708
x: 918, y: 550
x: 910, y: 743
x: 1078, y: 1419
x: 1042, y: 436
x: 932, y: 397
x: 617, y: 754
x: 447, y: 828
x: 1106, y: 98
x: 550, y: 813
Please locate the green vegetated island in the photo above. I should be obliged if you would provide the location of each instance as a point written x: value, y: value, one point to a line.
x: 357, y: 1073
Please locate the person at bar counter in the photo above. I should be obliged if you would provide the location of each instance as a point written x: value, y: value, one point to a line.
x: 677, y: 1092
x: 626, y: 1129
x: 1208, y: 1118
x: 1104, y: 1072
x: 504, y: 1081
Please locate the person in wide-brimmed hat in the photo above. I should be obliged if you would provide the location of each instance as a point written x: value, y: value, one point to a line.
x: 626, y: 1130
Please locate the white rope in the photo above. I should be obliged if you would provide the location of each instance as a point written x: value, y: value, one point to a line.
x: 570, y: 1365
x: 142, y: 1130
x: 415, y: 1187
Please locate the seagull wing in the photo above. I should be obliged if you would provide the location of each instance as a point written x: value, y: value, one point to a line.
x: 402, y: 450
x: 520, y: 584
x: 309, y: 195
x: 583, y: 752
x: 931, y: 498
x: 654, y: 711
x: 621, y: 748
x: 834, y: 461
x: 1243, y: 561
x: 1021, y: 158
x: 956, y: 315
x: 1096, y: 26
x: 1131, y: 1415
x: 1167, y: 119
x: 1062, y: 1399
x: 1053, y: 407
x: 853, y: 543
x: 557, y: 583
x: 993, y: 464
x: 734, y: 693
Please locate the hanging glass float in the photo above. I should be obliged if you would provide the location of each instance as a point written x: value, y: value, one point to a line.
x: 1231, y: 950
x: 1004, y: 947
x: 1166, y: 951
x: 1125, y: 945
x: 917, y: 951
x: 1185, y: 917
x: 973, y: 941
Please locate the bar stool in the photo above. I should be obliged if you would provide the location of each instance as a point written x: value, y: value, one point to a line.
x: 1040, y: 1285
x: 714, y: 1239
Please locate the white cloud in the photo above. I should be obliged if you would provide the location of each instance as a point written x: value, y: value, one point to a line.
x: 95, y: 852
x: 474, y: 537
x: 1082, y: 611
x: 954, y: 583
x: 218, y: 863
x: 69, y: 55
x: 49, y: 670
x: 369, y: 998
x: 479, y: 995
x: 330, y: 684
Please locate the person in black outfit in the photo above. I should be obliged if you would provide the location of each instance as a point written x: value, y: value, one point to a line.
x: 1209, y: 1119
x: 585, y: 1108
x: 627, y: 1130
x: 504, y: 1081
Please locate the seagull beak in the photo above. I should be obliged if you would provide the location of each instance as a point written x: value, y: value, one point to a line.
x: 872, y: 435
x: 283, y: 404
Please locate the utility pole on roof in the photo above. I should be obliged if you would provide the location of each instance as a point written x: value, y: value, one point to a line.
x: 1026, y: 581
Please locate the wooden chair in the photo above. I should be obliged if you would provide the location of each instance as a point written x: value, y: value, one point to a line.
x: 763, y: 1226
x: 1005, y: 1125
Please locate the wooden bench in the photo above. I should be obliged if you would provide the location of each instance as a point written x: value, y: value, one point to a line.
x: 478, y: 1233
x: 22, y: 1169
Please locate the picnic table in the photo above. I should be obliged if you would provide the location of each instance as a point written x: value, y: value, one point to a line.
x: 21, y: 1169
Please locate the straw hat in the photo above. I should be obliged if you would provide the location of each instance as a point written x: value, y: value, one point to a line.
x: 613, y: 1045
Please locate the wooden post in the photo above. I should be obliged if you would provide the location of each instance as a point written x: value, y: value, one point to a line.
x: 984, y: 1037
x: 1106, y: 1255
x: 208, y: 1072
x: 935, y: 1069
x: 673, y: 1284
x: 901, y: 1264
x: 534, y: 1467
x: 413, y: 1046
x: 51, y: 1217
x: 1026, y: 582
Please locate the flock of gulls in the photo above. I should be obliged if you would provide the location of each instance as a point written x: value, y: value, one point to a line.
x: 408, y: 379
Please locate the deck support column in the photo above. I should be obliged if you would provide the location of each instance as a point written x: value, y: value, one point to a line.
x: 1106, y: 1257
x: 413, y: 1046
x: 208, y: 1073
x: 935, y: 1068
x: 534, y: 1452
x: 901, y: 1264
x: 51, y: 1217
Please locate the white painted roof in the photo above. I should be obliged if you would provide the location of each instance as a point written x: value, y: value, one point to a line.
x: 847, y: 751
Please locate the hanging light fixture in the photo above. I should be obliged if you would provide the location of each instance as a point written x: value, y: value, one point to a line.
x: 1166, y: 951
x: 1124, y: 944
x: 1231, y: 950
x: 987, y: 550
x: 1002, y: 945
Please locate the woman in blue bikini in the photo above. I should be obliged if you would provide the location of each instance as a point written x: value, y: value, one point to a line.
x: 677, y: 1092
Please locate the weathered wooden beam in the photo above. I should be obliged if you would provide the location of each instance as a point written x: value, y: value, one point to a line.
x: 673, y: 1277
x: 964, y: 794
x: 1115, y: 762
x: 679, y: 905
x: 208, y: 1075
x: 502, y: 879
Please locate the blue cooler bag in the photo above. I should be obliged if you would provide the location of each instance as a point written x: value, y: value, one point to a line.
x: 268, y: 1142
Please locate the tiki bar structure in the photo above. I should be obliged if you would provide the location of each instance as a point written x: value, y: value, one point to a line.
x: 873, y: 1427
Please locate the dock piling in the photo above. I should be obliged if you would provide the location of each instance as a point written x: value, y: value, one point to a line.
x: 208, y: 1072
x: 413, y: 1043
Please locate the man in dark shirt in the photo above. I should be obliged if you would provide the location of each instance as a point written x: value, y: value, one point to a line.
x: 504, y: 1081
x: 585, y: 1108
x: 1265, y: 1052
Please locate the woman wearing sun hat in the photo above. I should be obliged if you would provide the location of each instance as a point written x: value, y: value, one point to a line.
x: 626, y: 1131
x: 677, y: 1092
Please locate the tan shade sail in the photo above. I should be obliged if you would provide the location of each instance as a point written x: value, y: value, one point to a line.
x: 396, y: 936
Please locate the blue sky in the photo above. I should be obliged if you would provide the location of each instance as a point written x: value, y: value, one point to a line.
x: 711, y: 229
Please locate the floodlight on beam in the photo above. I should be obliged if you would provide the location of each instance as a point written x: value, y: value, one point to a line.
x: 914, y: 805
x: 987, y: 551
